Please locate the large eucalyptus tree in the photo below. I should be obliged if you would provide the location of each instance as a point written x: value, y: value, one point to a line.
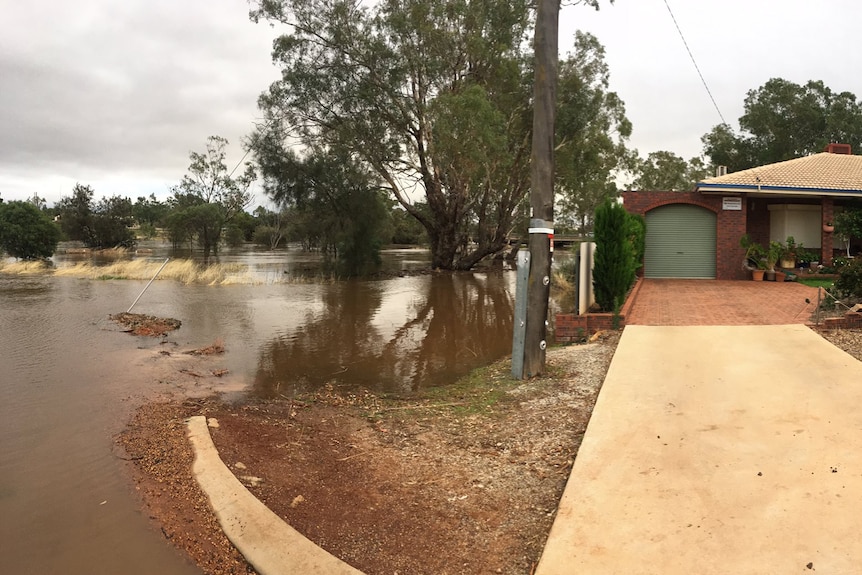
x: 433, y: 96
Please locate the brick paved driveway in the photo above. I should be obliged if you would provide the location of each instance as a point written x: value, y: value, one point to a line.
x: 715, y: 302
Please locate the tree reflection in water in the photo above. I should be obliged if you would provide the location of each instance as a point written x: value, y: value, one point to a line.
x: 393, y: 336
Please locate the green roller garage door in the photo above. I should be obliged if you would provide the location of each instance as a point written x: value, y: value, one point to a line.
x: 680, y: 242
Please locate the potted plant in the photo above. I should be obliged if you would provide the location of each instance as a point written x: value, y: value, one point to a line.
x: 753, y: 260
x: 773, y: 252
x: 828, y: 227
x: 789, y: 252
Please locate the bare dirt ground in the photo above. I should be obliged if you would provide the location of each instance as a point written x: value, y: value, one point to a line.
x: 462, y: 480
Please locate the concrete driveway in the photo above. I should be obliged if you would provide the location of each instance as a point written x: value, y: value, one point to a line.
x: 717, y: 450
x: 715, y: 302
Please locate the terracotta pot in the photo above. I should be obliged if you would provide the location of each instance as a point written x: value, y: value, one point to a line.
x: 757, y: 275
x: 780, y: 276
x: 828, y: 229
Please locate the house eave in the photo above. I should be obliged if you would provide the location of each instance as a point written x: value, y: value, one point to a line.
x: 736, y: 189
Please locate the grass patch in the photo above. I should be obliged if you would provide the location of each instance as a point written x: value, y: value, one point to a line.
x: 183, y: 271
x: 817, y: 282
x: 477, y: 392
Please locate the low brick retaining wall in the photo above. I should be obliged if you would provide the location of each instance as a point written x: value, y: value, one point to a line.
x: 572, y: 327
x: 850, y: 320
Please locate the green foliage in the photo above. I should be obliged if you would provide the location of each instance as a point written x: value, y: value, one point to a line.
x: 806, y: 256
x: 208, y: 197
x: 406, y: 229
x: 790, y: 249
x: 246, y: 223
x: 666, y: 171
x: 849, y: 281
x: 111, y: 223
x: 334, y: 203
x: 839, y: 262
x: 636, y: 233
x: 784, y: 120
x: 772, y: 253
x: 614, y: 270
x: 76, y: 213
x: 201, y: 221
x: 272, y: 227
x: 268, y: 236
x: 149, y: 210
x: 103, y: 224
x: 147, y: 231
x: 848, y: 224
x: 427, y: 94
x: 234, y: 236
x: 26, y: 232
x: 592, y: 131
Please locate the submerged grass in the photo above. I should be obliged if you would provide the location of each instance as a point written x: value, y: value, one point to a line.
x: 21, y: 268
x: 183, y: 271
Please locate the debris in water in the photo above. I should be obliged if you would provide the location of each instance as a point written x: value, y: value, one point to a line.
x: 216, y: 348
x: 140, y: 324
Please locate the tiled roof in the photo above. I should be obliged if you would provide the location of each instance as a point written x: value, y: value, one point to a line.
x: 815, y: 173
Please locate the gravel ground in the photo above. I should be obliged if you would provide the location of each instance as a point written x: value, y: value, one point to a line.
x: 850, y: 340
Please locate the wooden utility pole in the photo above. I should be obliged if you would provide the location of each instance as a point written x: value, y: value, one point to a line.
x: 542, y: 185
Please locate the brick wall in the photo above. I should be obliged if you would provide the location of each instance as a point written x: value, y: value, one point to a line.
x: 730, y: 224
x: 850, y: 320
x: 571, y: 327
x: 826, y: 239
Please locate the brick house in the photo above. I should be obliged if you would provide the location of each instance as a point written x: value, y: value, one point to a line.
x: 696, y: 234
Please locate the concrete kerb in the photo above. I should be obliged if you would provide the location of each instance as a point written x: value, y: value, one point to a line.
x: 269, y: 544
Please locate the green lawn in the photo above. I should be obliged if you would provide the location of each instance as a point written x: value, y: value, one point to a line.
x: 817, y: 282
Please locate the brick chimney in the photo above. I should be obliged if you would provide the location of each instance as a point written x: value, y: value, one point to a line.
x: 838, y: 149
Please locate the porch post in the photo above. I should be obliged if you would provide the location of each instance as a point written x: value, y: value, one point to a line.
x: 827, y: 211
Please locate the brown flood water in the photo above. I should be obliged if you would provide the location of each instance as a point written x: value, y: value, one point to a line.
x: 69, y: 380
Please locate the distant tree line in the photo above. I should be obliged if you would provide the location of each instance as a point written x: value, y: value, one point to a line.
x: 327, y: 206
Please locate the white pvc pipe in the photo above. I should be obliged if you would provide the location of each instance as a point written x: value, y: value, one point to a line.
x: 148, y: 285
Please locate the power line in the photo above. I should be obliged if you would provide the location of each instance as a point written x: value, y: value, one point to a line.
x: 693, y: 61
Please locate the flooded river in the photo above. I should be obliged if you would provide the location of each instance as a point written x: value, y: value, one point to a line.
x: 69, y: 380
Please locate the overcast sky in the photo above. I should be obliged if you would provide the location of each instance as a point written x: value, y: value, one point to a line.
x: 115, y: 94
